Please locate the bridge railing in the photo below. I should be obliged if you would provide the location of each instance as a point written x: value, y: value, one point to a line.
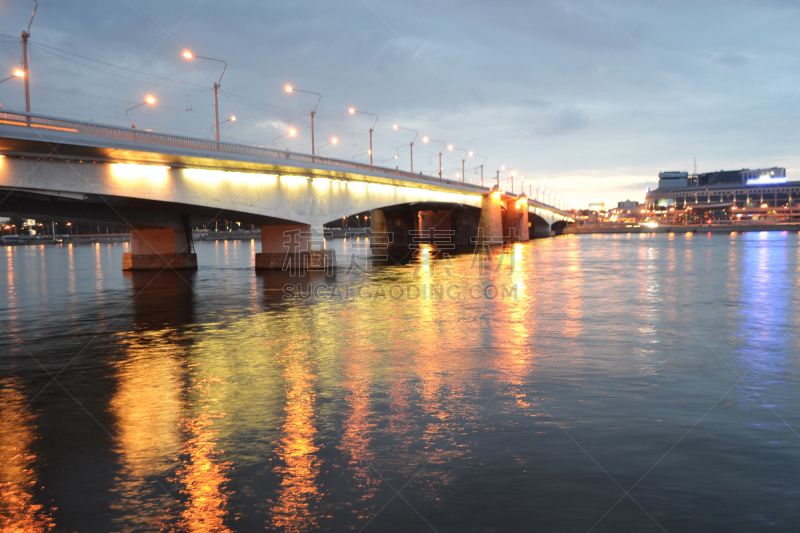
x: 90, y: 129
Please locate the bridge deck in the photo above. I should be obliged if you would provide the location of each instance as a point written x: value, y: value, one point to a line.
x: 27, y: 134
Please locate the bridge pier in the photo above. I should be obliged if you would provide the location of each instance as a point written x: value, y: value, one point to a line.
x: 490, y: 227
x: 515, y: 221
x: 294, y: 246
x: 158, y: 249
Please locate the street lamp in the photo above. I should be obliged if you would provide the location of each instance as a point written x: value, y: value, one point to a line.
x: 333, y: 140
x: 25, y: 35
x: 410, y: 144
x: 148, y: 100
x: 444, y: 144
x: 513, y: 173
x: 469, y: 154
x: 385, y: 160
x: 189, y: 55
x: 17, y: 73
x: 353, y: 111
x: 290, y: 89
x: 232, y: 119
x: 291, y: 133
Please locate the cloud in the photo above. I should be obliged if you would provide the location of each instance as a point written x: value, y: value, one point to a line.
x: 565, y: 121
x: 732, y: 60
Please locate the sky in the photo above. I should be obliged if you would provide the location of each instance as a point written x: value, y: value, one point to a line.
x: 590, y: 99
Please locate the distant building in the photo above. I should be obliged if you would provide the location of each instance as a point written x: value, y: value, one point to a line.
x: 600, y: 206
x: 670, y: 180
x: 723, y: 189
x: 628, y: 205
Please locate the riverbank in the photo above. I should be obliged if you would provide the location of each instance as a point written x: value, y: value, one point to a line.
x: 12, y: 240
x: 704, y: 228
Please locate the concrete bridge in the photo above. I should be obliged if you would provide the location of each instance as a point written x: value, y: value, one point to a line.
x: 160, y: 186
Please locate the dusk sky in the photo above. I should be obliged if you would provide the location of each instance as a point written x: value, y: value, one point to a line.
x: 591, y: 99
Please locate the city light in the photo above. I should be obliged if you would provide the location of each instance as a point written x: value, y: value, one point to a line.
x: 352, y: 111
x: 288, y: 88
x: 187, y: 54
x: 150, y: 100
x: 19, y: 73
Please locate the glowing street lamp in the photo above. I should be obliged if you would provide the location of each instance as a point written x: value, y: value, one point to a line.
x: 390, y: 159
x: 290, y: 89
x: 149, y: 100
x: 232, y: 119
x: 17, y: 73
x: 291, y: 133
x: 444, y: 145
x: 410, y: 144
x: 333, y: 140
x: 353, y: 111
x: 189, y: 55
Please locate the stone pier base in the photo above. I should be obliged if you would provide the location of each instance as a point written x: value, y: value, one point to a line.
x: 159, y: 249
x: 309, y: 260
x: 132, y: 261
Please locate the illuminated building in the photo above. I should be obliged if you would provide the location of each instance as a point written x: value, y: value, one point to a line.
x: 725, y: 190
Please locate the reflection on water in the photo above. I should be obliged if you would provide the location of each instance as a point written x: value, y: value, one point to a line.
x: 298, y: 466
x: 231, y: 408
x: 202, y: 474
x: 19, y: 509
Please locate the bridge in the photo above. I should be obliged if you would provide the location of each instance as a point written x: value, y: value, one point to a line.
x: 160, y: 186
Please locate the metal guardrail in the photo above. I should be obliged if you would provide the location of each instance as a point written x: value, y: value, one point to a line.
x: 102, y: 131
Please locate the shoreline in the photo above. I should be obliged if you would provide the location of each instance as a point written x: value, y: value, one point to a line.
x: 706, y: 228
x: 335, y: 233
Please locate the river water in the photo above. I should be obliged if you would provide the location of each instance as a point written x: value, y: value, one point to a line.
x: 603, y: 383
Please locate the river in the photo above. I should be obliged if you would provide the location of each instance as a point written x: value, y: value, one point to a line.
x: 595, y: 382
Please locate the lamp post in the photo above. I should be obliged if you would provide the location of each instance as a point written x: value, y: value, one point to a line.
x: 463, y: 161
x: 232, y: 119
x: 333, y: 140
x: 17, y: 73
x: 411, y: 144
x: 391, y: 158
x: 188, y: 55
x: 484, y: 162
x: 353, y: 111
x: 291, y: 133
x: 148, y: 100
x: 444, y: 144
x: 25, y: 36
x: 513, y: 173
x: 290, y: 89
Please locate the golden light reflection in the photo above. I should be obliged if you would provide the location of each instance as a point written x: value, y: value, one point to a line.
x: 215, y: 178
x: 297, y: 450
x: 18, y: 508
x: 357, y: 424
x: 202, y: 475
x: 150, y: 176
x: 147, y: 406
